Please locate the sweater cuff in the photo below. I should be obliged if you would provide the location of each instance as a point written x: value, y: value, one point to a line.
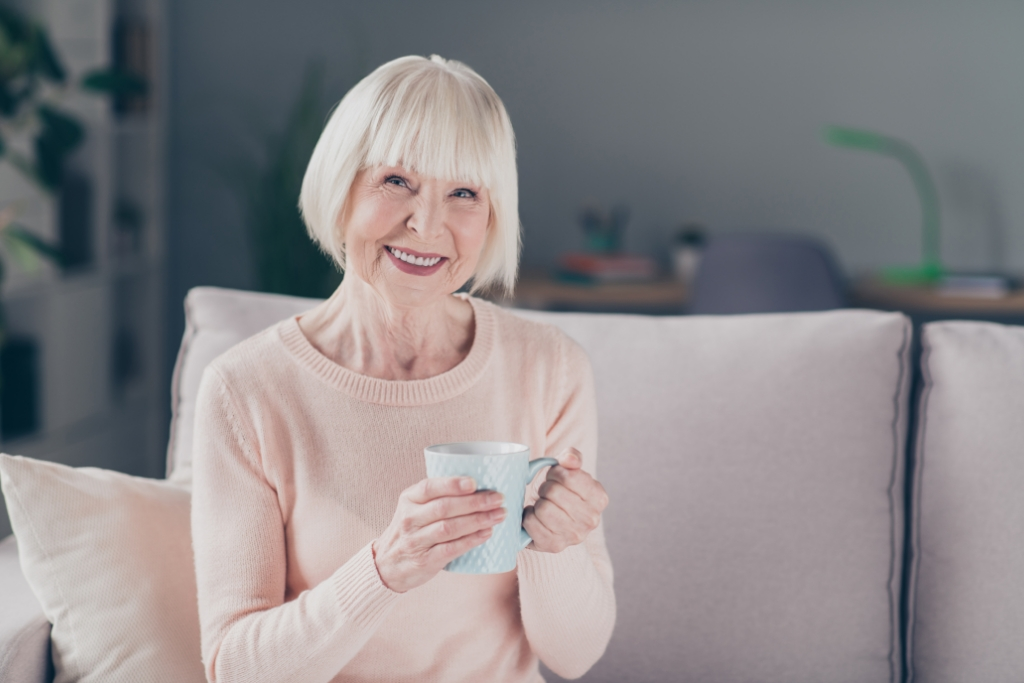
x: 361, y: 594
x: 537, y: 567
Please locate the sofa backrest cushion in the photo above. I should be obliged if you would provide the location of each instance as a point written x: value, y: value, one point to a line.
x: 215, y: 320
x: 966, y: 594
x: 755, y: 468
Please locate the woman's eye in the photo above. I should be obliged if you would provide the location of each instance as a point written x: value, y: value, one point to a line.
x: 395, y: 180
x: 464, y: 193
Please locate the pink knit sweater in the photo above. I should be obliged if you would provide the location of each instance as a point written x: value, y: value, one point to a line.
x: 299, y: 463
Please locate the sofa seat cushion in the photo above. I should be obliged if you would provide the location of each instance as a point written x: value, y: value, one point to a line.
x: 966, y: 595
x: 24, y: 630
x: 755, y: 468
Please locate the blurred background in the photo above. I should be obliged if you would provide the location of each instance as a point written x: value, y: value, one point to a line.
x: 651, y: 135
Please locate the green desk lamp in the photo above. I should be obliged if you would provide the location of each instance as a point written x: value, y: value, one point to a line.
x: 930, y: 271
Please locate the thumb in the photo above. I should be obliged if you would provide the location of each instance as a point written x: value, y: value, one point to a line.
x: 570, y: 459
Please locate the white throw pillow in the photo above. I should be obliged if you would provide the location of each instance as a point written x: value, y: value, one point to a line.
x: 109, y: 556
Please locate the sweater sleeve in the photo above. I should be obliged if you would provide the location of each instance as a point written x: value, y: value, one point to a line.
x: 567, y: 599
x: 249, y: 633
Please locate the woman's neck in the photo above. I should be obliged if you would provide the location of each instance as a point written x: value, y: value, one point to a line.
x: 359, y: 329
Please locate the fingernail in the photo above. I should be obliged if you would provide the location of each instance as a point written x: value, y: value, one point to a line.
x: 495, y: 498
x: 467, y: 484
x: 498, y: 514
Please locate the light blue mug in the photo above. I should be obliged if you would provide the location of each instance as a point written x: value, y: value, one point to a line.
x: 495, y: 466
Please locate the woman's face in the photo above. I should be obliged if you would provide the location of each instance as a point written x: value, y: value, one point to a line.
x: 412, y: 237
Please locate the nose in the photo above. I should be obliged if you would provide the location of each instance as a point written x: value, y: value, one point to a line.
x: 427, y: 219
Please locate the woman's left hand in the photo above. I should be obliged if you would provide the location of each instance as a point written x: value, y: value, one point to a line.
x: 569, y: 507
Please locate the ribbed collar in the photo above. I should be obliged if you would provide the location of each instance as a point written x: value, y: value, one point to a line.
x: 399, y: 392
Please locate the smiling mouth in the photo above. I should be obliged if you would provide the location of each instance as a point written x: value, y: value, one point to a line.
x: 420, y: 261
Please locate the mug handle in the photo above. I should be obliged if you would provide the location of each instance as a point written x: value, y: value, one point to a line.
x: 535, y: 467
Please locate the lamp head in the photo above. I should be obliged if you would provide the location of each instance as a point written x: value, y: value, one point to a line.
x: 856, y: 139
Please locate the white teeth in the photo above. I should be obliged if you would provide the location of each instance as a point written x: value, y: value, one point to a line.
x: 415, y: 260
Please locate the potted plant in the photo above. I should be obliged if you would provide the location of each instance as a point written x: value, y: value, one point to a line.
x: 267, y: 184
x: 36, y: 137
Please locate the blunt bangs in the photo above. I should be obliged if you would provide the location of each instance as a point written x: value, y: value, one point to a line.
x: 436, y: 117
x: 434, y: 127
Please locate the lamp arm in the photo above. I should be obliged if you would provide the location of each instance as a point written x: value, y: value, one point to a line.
x: 927, y: 194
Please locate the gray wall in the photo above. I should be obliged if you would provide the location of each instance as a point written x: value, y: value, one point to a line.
x: 703, y: 110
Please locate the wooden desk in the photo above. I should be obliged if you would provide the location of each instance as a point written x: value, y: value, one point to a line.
x: 542, y: 291
x: 539, y: 290
x: 871, y: 293
x: 925, y: 305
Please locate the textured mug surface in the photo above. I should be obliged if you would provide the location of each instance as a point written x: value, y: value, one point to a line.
x: 495, y: 466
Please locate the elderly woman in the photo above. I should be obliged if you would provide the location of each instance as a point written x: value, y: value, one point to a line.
x: 319, y: 542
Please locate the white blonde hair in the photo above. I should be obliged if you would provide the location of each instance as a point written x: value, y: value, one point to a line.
x: 437, y: 117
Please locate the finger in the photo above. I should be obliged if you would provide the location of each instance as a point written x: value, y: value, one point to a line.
x: 430, y: 488
x: 443, y: 553
x: 557, y: 521
x: 453, y: 506
x: 569, y: 502
x: 446, y: 530
x: 561, y: 496
x: 571, y: 459
x: 576, y: 480
x: 582, y: 484
x: 541, y: 535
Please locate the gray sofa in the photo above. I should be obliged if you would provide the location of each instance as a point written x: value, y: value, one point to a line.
x: 763, y: 527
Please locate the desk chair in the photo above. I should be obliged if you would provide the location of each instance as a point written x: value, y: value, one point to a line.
x: 766, y: 273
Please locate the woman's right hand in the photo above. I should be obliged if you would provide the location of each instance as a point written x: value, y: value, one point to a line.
x: 437, y: 520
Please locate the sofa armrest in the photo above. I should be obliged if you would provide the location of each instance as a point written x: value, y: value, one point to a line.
x: 24, y: 630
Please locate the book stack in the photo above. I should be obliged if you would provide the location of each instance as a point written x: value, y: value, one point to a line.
x: 976, y: 286
x: 581, y: 267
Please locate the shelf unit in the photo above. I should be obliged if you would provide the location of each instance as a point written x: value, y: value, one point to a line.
x: 100, y: 327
